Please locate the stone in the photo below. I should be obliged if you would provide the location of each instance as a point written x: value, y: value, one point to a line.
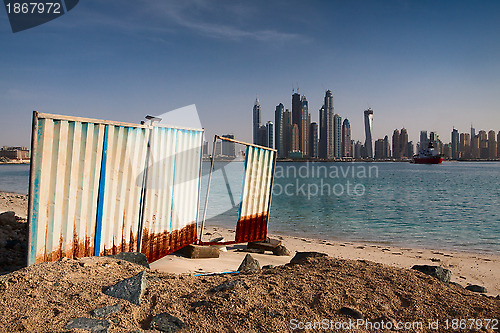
x: 8, y: 217
x: 133, y: 257
x: 300, y: 256
x: 93, y: 325
x: 281, y: 250
x: 198, y: 251
x: 165, y: 322
x: 351, y: 312
x: 268, y: 266
x: 249, y: 264
x: 106, y: 310
x: 477, y: 289
x: 131, y: 289
x: 268, y: 245
x: 438, y: 272
x: 251, y: 251
x: 226, y: 286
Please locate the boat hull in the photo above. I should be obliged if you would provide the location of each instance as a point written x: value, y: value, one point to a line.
x: 428, y: 160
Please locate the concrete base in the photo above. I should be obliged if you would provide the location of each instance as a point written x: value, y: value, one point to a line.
x: 198, y: 251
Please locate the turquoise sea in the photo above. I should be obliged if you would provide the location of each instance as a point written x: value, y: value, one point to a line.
x: 454, y: 206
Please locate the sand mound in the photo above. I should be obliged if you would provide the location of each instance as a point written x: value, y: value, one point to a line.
x: 44, y: 297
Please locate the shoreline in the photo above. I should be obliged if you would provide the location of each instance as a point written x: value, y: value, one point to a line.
x: 466, y: 267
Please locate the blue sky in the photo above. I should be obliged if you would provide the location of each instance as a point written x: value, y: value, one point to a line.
x: 420, y: 64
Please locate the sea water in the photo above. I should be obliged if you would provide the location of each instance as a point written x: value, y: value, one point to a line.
x: 14, y: 178
x: 454, y: 205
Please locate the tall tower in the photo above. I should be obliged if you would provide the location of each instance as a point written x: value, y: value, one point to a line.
x: 368, y: 132
x: 346, y: 138
x: 270, y: 134
x: 296, y: 109
x: 326, y: 127
x: 256, y: 122
x: 455, y: 144
x: 337, y: 136
x: 492, y: 145
x: 304, y: 126
x: 287, y: 126
x: 424, y: 140
x: 396, y: 149
x: 279, y: 130
x: 313, y: 140
x: 403, y: 143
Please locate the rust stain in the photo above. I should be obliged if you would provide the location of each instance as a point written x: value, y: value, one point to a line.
x: 251, y: 228
x: 158, y: 245
x: 82, y: 248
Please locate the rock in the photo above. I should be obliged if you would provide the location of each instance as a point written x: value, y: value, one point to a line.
x: 226, y: 286
x: 131, y: 289
x: 249, y: 264
x: 268, y: 266
x: 198, y: 251
x: 133, y: 257
x: 281, y: 250
x: 106, y: 310
x: 351, y: 312
x: 300, y: 256
x: 251, y: 251
x: 222, y: 248
x: 165, y: 322
x: 438, y: 272
x: 93, y: 325
x: 8, y: 217
x: 477, y: 289
x: 268, y: 245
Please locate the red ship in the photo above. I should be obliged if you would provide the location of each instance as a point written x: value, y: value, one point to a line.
x: 428, y: 156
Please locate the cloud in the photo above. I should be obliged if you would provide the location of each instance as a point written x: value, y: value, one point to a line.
x: 193, y: 16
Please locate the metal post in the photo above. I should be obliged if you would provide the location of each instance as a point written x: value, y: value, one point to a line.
x: 208, y: 190
x: 199, y: 185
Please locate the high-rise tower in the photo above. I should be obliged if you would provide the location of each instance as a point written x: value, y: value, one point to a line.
x: 368, y: 132
x: 326, y: 127
x: 279, y: 130
x: 337, y: 136
x: 304, y: 126
x: 256, y: 122
x: 455, y: 144
x: 346, y: 138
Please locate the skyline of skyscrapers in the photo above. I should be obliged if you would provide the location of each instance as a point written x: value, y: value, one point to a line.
x: 294, y: 135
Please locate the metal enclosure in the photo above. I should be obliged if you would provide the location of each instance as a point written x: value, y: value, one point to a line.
x: 256, y: 195
x: 100, y: 187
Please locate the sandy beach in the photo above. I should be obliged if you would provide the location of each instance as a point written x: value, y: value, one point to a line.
x: 372, y: 282
x: 466, y: 268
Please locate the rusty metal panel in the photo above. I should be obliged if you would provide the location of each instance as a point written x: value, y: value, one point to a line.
x: 172, y: 191
x: 63, y: 187
x: 124, y: 162
x: 100, y: 187
x: 256, y: 194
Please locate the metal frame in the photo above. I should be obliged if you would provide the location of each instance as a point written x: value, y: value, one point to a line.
x: 274, y: 151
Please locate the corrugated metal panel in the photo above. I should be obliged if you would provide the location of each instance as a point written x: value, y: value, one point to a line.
x: 125, y: 162
x: 63, y: 188
x: 96, y: 187
x: 256, y: 194
x: 172, y: 191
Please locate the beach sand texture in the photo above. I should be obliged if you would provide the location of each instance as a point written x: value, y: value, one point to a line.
x: 372, y: 278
